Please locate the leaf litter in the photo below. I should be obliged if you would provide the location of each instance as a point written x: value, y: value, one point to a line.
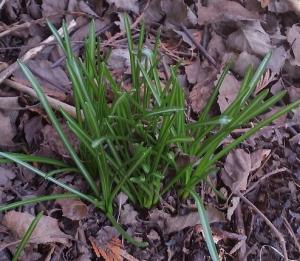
x: 225, y: 28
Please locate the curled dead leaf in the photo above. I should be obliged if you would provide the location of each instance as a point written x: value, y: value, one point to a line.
x: 73, y: 209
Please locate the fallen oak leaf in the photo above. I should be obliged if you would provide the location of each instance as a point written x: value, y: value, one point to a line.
x: 46, y: 231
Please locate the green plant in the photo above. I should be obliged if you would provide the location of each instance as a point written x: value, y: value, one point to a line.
x: 27, y: 236
x: 131, y: 142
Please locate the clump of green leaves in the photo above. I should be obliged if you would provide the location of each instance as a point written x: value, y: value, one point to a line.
x: 131, y: 141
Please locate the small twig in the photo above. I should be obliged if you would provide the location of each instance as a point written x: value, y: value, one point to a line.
x: 55, y: 104
x: 199, y: 46
x: 269, y: 223
x: 276, y: 171
x: 241, y: 230
x: 31, y: 53
x: 292, y: 233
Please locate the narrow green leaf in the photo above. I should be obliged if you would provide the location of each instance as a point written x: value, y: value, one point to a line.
x: 27, y: 236
x: 48, y: 109
x: 206, y: 227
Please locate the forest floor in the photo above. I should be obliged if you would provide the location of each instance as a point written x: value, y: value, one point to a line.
x: 260, y: 179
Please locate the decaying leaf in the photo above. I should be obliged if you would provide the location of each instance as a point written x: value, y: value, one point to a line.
x: 221, y: 11
x: 126, y: 5
x: 119, y: 60
x: 243, y: 61
x: 282, y: 6
x: 251, y: 37
x: 128, y: 215
x: 228, y: 91
x: 267, y: 78
x: 54, y: 10
x: 170, y: 224
x: 54, y: 81
x: 236, y: 170
x: 9, y: 111
x: 234, y: 202
x: 294, y: 93
x: 199, y: 96
x: 176, y: 12
x: 154, y: 13
x: 53, y: 141
x: 204, y: 83
x: 277, y: 61
x: 293, y: 37
x: 238, y: 165
x: 73, y: 209
x: 6, y: 175
x: 111, y: 251
x: 258, y: 157
x: 295, y: 6
x: 46, y: 231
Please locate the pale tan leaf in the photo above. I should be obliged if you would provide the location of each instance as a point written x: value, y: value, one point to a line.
x: 73, y: 209
x: 228, y: 91
x: 46, y: 231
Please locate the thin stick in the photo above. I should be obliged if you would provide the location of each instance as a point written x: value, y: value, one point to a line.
x: 32, y: 53
x: 276, y: 171
x: 199, y: 46
x: 55, y: 104
x: 269, y: 223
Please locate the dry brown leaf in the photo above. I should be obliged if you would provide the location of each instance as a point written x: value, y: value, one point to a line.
x: 228, y: 91
x: 53, y: 142
x: 154, y: 13
x: 236, y: 170
x: 251, y: 37
x: 283, y: 6
x: 204, y: 78
x: 221, y: 11
x: 295, y: 5
x: 46, y: 231
x: 73, y: 209
x: 238, y: 165
x: 170, y: 224
x: 267, y: 78
x: 264, y: 3
x: 258, y: 157
x: 8, y: 115
x: 278, y: 58
x: 6, y: 175
x: 128, y: 215
x: 55, y: 82
x: 243, y: 61
x: 293, y: 37
x: 199, y: 96
x: 111, y: 251
x: 234, y: 202
x: 193, y: 70
x: 126, y: 5
x: 53, y: 9
x: 279, y: 6
x: 176, y: 12
x: 294, y: 93
x: 119, y: 60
